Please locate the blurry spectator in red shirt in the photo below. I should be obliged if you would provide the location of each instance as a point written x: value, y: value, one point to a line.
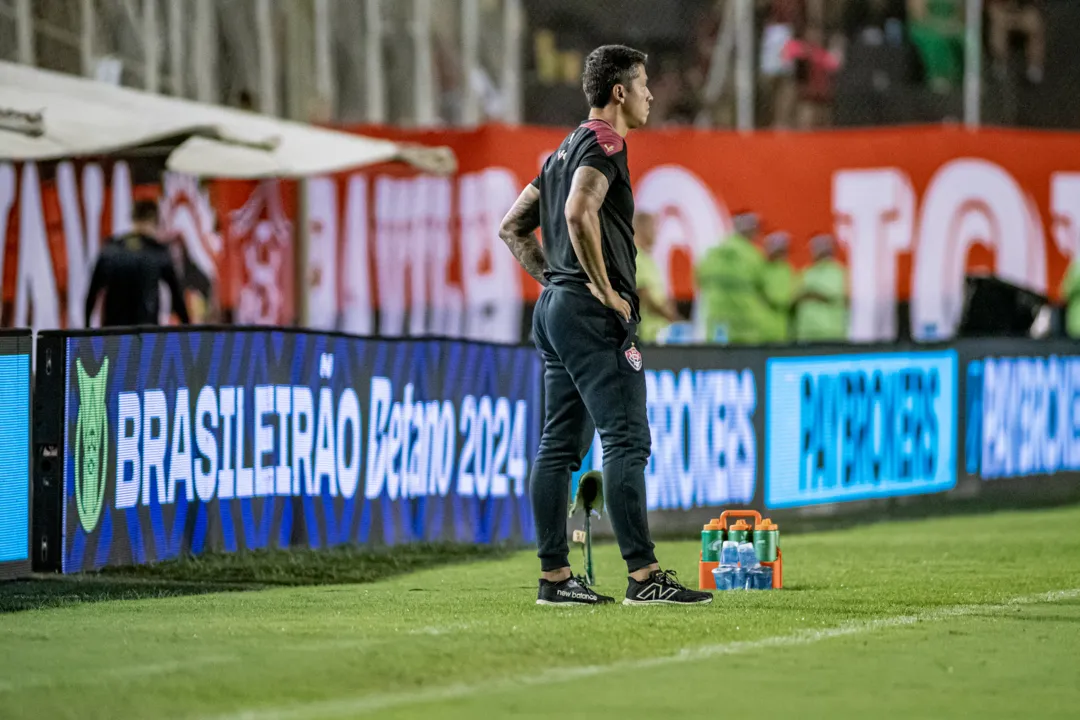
x: 815, y: 66
x: 1023, y: 17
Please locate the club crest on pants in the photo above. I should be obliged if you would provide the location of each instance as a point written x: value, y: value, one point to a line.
x: 633, y: 356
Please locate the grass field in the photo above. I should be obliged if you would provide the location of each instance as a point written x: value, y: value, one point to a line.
x: 969, y: 617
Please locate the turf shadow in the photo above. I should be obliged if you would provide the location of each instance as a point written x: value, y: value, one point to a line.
x: 233, y: 572
x: 53, y: 592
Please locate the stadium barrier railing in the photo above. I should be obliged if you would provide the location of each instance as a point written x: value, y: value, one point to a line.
x: 16, y: 347
x: 152, y: 444
x: 825, y: 434
x: 181, y: 441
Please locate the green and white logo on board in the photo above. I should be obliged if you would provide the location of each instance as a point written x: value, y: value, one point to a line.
x: 91, y: 445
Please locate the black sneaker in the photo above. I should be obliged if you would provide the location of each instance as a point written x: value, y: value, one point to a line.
x: 571, y: 591
x: 662, y: 588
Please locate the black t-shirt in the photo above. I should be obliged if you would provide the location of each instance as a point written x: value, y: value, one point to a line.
x: 129, y: 270
x: 593, y: 144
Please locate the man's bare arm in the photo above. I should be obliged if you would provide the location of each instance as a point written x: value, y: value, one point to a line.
x: 587, y: 192
x: 518, y: 232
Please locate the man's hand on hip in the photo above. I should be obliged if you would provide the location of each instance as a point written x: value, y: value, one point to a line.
x: 613, y: 300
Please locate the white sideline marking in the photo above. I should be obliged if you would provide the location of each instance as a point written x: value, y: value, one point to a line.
x: 349, y: 707
x: 122, y: 673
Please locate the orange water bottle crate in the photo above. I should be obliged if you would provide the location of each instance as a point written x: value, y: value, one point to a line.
x: 765, y: 529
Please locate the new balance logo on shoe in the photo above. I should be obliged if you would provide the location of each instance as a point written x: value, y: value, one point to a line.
x: 658, y: 592
x: 663, y: 588
x: 574, y: 595
x: 572, y: 591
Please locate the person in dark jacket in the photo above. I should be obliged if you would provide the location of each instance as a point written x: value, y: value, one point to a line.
x: 130, y: 269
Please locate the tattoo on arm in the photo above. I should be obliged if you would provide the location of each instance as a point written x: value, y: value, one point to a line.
x: 518, y: 232
x: 587, y: 192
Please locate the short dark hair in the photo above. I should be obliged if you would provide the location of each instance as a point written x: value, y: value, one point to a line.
x: 145, y: 211
x: 606, y: 67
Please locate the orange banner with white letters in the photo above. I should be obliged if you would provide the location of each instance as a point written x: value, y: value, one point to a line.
x: 914, y: 208
x: 231, y: 242
x: 399, y: 253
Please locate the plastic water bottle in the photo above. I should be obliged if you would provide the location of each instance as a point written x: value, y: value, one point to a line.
x: 729, y: 553
x: 728, y: 576
x: 748, y: 556
x: 712, y: 537
x: 767, y: 540
x: 748, y: 563
x: 725, y: 577
x: 761, y: 578
x: 738, y: 563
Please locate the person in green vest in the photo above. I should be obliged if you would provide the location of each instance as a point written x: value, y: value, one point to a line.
x: 729, y: 279
x: 821, y: 301
x: 1070, y: 294
x: 936, y: 28
x: 778, y: 287
x: 657, y: 308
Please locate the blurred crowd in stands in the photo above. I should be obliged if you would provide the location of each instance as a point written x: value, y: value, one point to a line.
x: 808, y: 63
x: 816, y: 63
x: 838, y: 62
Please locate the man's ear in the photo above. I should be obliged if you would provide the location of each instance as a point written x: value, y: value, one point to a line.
x: 619, y: 93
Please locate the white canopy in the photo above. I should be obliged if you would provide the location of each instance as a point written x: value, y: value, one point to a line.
x: 48, y: 116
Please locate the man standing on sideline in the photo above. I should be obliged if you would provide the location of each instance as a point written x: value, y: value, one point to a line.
x: 657, y: 308
x: 584, y: 326
x: 778, y: 287
x: 821, y: 313
x: 130, y: 269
